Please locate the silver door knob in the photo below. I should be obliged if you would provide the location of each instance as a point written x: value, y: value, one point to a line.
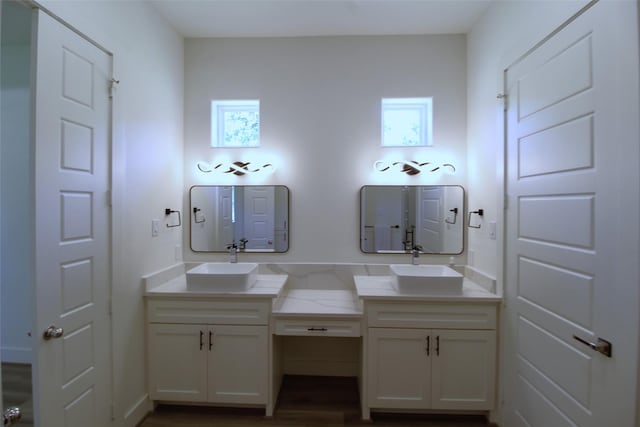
x: 52, y: 332
x: 12, y: 416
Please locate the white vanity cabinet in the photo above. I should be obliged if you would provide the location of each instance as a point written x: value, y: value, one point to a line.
x: 214, y: 351
x: 430, y: 356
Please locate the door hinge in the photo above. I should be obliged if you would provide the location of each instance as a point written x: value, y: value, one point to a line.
x: 505, y: 100
x: 113, y: 412
x: 109, y: 196
x: 112, y: 86
x: 506, y: 202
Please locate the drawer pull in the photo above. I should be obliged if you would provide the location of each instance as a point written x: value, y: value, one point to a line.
x: 312, y: 329
x: 438, y: 345
x: 201, y: 339
x: 210, y: 340
x: 428, y: 344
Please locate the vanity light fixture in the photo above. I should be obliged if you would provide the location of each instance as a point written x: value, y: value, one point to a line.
x: 411, y: 167
x: 236, y: 168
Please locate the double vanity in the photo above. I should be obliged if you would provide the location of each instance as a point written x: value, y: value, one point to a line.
x: 425, y: 335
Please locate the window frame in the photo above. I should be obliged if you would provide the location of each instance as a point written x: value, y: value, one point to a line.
x: 424, y: 107
x: 218, y: 109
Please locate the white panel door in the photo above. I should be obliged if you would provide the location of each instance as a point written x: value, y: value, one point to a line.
x: 430, y: 216
x: 226, y: 216
x: 572, y: 224
x: 72, y: 259
x: 259, y: 210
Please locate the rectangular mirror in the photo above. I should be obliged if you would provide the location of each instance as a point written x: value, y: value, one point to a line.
x: 254, y: 217
x: 398, y: 218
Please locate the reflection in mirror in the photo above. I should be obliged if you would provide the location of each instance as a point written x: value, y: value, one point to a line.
x: 398, y: 218
x: 255, y: 218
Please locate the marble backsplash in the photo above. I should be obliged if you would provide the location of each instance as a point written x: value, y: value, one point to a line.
x: 323, y: 276
x: 317, y: 275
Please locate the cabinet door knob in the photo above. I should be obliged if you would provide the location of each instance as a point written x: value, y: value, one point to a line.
x: 428, y: 344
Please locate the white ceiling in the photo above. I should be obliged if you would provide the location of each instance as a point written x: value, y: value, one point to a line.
x: 295, y: 18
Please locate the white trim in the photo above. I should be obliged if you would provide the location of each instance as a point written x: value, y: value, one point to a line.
x: 219, y: 107
x: 36, y: 4
x: 423, y: 106
x: 136, y: 413
x: 17, y: 355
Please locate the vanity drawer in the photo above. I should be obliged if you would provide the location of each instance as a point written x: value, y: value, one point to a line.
x: 221, y: 312
x: 429, y: 315
x: 318, y: 327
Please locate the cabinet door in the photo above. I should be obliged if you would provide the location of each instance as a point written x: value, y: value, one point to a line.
x: 398, y: 368
x: 177, y: 362
x: 238, y: 364
x: 463, y: 369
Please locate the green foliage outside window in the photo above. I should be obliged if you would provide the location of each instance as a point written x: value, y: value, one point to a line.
x: 241, y: 128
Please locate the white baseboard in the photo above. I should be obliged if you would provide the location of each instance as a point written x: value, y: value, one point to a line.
x: 16, y: 355
x: 138, y: 411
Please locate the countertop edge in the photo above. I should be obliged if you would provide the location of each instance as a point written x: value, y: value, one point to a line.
x: 307, y: 315
x: 268, y: 286
x: 380, y: 289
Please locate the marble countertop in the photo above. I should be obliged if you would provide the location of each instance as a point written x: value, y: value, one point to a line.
x: 318, y: 302
x: 313, y: 290
x: 267, y: 286
x: 380, y: 288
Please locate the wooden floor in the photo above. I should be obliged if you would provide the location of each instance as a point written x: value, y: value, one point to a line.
x: 16, y: 391
x: 303, y: 402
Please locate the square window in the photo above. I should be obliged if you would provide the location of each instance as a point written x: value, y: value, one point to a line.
x: 406, y: 122
x: 235, y: 124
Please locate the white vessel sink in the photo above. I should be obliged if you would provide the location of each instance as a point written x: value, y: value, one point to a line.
x: 222, y: 277
x: 425, y: 279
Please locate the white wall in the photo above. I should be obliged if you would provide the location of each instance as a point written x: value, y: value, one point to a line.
x: 506, y: 31
x: 16, y: 182
x: 320, y: 118
x: 147, y: 171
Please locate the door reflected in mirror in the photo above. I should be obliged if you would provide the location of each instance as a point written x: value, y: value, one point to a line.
x: 254, y: 217
x: 396, y: 219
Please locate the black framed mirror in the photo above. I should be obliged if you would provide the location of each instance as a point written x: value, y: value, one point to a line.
x: 254, y: 217
x: 396, y: 219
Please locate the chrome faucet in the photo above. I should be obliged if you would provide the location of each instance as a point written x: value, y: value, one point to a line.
x: 415, y: 253
x: 233, y: 252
